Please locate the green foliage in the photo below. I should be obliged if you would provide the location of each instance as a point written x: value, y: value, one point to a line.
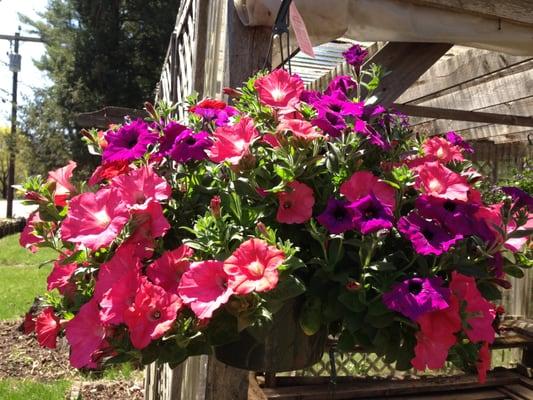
x: 23, y: 152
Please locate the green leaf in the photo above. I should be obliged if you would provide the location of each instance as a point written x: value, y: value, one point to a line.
x: 380, y: 321
x: 489, y: 290
x: 514, y: 271
x: 346, y: 342
x: 351, y: 301
x: 286, y: 289
x: 311, y: 316
x: 519, y: 233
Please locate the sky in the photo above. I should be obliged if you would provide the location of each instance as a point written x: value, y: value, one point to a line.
x: 29, y: 76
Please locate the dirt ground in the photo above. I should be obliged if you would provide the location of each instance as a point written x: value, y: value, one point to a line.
x: 22, y: 358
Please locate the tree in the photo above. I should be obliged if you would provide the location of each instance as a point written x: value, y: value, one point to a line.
x: 98, y: 53
x: 23, y: 157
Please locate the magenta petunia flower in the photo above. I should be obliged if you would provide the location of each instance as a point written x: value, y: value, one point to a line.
x: 371, y: 215
x: 355, y: 56
x: 417, y: 296
x: 279, y: 89
x: 296, y: 204
x: 168, y: 269
x: 190, y: 146
x: 59, y: 277
x: 427, y: 237
x: 253, y: 267
x: 331, y: 123
x: 519, y: 197
x: 214, y: 110
x: 47, y: 327
x: 129, y: 143
x: 204, y: 287
x: 362, y: 183
x: 337, y: 217
x: 151, y: 315
x: 437, y: 180
x: 456, y: 216
x: 95, y: 219
x: 141, y: 186
x: 343, y: 83
x: 86, y: 335
x: 63, y: 187
x: 232, y: 143
x: 458, y: 140
x: 338, y: 104
x: 170, y: 132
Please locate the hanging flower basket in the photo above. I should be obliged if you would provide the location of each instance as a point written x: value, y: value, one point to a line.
x: 257, y: 228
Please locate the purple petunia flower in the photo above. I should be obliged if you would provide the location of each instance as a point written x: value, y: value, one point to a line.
x: 521, y: 198
x: 337, y: 217
x: 129, y: 143
x: 190, y: 146
x: 331, y: 124
x: 342, y: 83
x: 427, y: 237
x: 371, y: 134
x: 355, y: 56
x: 458, y: 140
x: 496, y: 265
x: 370, y: 215
x: 214, y: 110
x: 170, y: 133
x: 454, y: 215
x: 337, y: 103
x: 417, y: 296
x: 310, y: 96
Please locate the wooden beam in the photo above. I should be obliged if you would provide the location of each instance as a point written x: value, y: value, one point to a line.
x: 107, y: 116
x: 406, y: 62
x: 461, y: 115
x: 520, y: 11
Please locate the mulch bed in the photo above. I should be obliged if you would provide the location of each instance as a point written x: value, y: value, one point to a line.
x: 22, y: 358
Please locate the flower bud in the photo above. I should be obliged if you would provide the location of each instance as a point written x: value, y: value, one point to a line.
x: 353, y: 286
x: 214, y: 205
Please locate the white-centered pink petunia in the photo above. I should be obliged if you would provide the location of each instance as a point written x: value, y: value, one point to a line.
x: 86, y: 335
x: 95, y: 219
x: 299, y: 128
x: 232, y: 143
x: 167, y: 270
x: 140, y: 186
x: 204, y: 287
x: 254, y: 267
x: 442, y: 150
x: 279, y: 89
x: 151, y: 314
x: 437, y: 180
x: 363, y: 183
x: 63, y: 187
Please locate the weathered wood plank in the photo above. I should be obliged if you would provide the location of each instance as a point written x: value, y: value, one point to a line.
x: 406, y: 62
x: 106, y: 116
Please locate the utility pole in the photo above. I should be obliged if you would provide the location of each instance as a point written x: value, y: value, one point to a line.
x: 14, y: 67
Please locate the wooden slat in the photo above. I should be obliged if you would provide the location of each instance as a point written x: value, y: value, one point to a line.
x: 106, y: 116
x: 406, y: 62
x: 520, y: 391
x: 488, y: 394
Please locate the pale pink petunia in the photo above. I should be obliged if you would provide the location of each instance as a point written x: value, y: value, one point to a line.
x: 167, y: 270
x: 60, y: 276
x: 29, y: 238
x: 47, y: 327
x: 232, y: 143
x: 86, y: 335
x: 141, y: 186
x: 295, y: 204
x: 437, y: 180
x: 63, y: 187
x: 204, y: 287
x: 151, y: 315
x: 363, y: 183
x: 253, y: 267
x: 299, y: 128
x: 279, y: 89
x: 95, y: 219
x: 442, y: 150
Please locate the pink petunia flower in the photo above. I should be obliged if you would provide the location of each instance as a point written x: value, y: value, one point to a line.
x: 60, y: 276
x: 362, y: 183
x: 442, y: 150
x: 483, y: 363
x: 95, y: 219
x: 232, y: 143
x: 167, y: 270
x: 437, y: 180
x: 120, y: 297
x: 204, y: 287
x: 108, y: 171
x: 28, y: 237
x: 151, y: 217
x: 63, y: 187
x: 279, y: 89
x: 151, y: 315
x: 47, y: 327
x: 296, y: 204
x: 254, y: 267
x: 300, y: 129
x: 86, y: 335
x: 140, y: 186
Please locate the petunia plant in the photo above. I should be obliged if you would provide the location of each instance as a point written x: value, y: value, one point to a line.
x: 193, y: 231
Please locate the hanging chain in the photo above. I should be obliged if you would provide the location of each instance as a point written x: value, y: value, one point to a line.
x: 279, y: 29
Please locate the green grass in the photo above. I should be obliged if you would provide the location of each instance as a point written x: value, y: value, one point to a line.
x: 21, y: 279
x: 17, y: 389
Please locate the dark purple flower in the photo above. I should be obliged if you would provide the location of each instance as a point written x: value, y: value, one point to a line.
x: 427, y: 237
x: 214, y: 110
x: 355, y: 56
x: 370, y: 215
x: 170, y: 133
x: 310, y: 96
x: 129, y: 143
x: 496, y: 265
x: 520, y: 198
x: 417, y: 296
x: 454, y: 215
x: 458, y: 140
x: 331, y: 124
x: 371, y: 134
x: 342, y: 83
x: 190, y: 146
x: 337, y: 217
x: 337, y: 103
